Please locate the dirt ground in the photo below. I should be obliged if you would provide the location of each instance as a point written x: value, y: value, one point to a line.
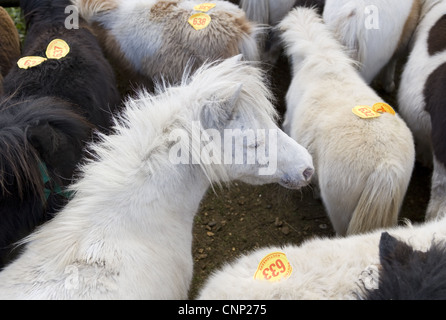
x: 240, y: 218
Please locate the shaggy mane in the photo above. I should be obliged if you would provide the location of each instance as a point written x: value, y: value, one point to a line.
x: 195, y: 91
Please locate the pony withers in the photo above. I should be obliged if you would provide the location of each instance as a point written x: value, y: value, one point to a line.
x: 134, y: 203
x: 49, y: 111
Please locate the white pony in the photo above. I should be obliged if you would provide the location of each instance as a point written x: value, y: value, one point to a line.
x: 127, y: 232
x: 363, y: 166
x: 422, y: 98
x: 155, y: 39
x: 375, y: 32
x: 322, y: 268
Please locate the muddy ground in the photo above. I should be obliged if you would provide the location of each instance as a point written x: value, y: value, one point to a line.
x: 242, y: 217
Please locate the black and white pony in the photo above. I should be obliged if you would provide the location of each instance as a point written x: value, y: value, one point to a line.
x: 422, y: 99
x: 405, y: 273
x: 48, y: 113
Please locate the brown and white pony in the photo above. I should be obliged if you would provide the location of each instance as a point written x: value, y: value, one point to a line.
x: 153, y: 39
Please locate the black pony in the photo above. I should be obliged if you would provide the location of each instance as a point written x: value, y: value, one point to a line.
x: 48, y: 113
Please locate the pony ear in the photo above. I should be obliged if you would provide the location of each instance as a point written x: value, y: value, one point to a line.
x: 393, y: 251
x: 54, y: 148
x: 216, y: 114
x: 43, y: 137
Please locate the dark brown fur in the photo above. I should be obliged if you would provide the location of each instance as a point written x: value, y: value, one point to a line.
x: 435, y: 98
x: 9, y: 43
x: 409, y: 27
x: 161, y: 8
x: 128, y: 80
x: 437, y: 37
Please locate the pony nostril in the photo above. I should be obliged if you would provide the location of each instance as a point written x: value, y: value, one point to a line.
x: 308, y: 173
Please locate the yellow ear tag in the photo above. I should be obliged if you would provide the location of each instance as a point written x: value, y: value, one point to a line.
x: 205, y: 7
x: 383, y: 108
x: 365, y: 112
x: 29, y: 62
x: 200, y: 21
x: 57, y: 49
x: 274, y: 267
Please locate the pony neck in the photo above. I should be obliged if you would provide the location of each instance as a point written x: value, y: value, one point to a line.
x: 120, y: 211
x: 148, y: 208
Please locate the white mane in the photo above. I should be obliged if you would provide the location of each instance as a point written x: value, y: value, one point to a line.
x: 153, y: 117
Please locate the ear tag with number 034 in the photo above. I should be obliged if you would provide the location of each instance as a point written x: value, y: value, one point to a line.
x: 57, y: 49
x: 200, y: 21
x: 29, y: 62
x: 205, y: 7
x: 273, y: 267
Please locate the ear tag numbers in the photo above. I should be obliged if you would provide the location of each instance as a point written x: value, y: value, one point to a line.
x: 383, y: 108
x: 365, y: 112
x: 57, y: 49
x: 205, y: 7
x: 200, y: 21
x: 29, y: 62
x: 273, y: 267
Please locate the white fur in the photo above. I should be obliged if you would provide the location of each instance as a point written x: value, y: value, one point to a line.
x: 411, y: 103
x: 363, y: 166
x: 437, y: 201
x: 376, y: 50
x: 127, y: 233
x: 323, y: 268
x: 372, y: 48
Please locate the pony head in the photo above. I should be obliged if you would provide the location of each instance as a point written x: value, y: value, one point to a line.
x: 235, y: 129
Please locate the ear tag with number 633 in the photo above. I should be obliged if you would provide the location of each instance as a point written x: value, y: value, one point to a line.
x: 273, y: 267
